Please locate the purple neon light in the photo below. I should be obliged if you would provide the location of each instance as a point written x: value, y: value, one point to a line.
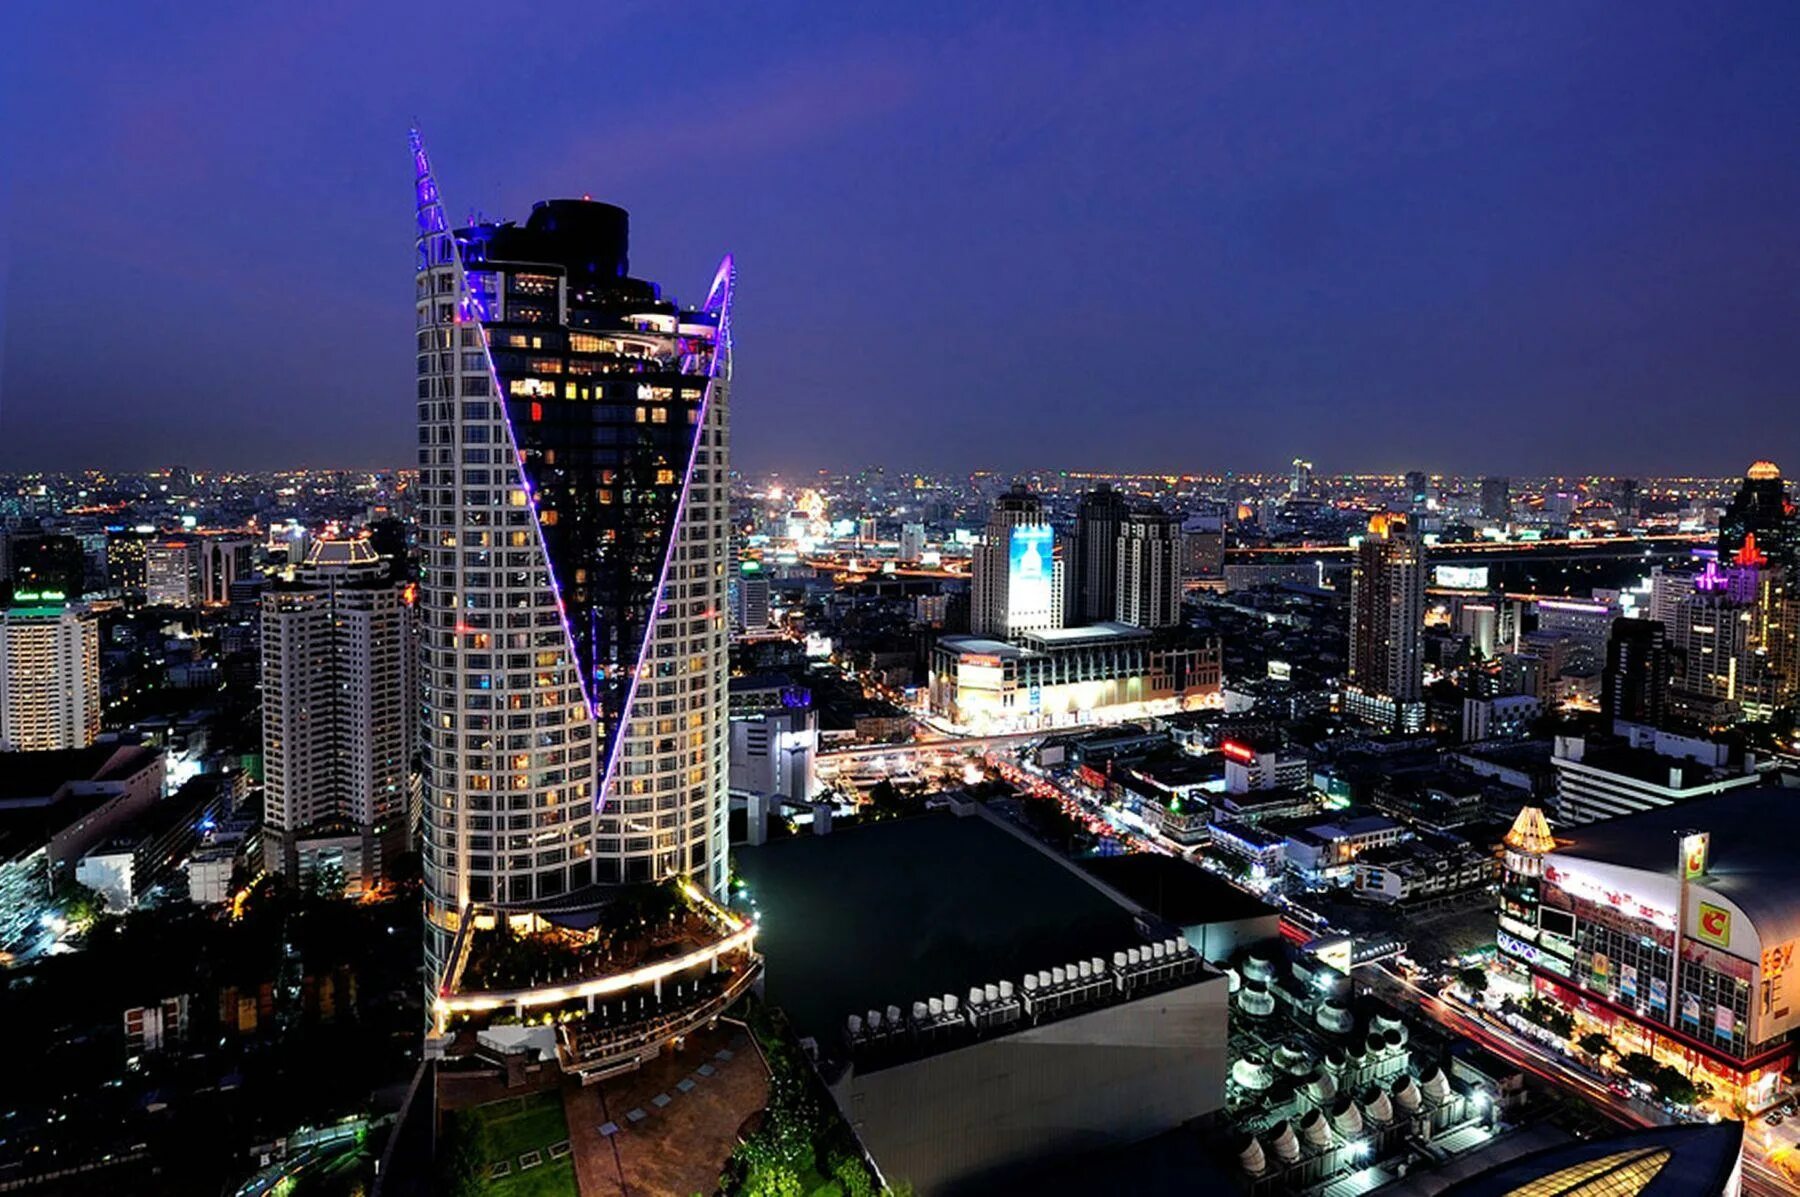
x: 432, y: 222
x: 429, y: 200
x: 718, y: 298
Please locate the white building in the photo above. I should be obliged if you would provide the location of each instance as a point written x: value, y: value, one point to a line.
x: 334, y: 710
x: 1149, y: 574
x: 49, y: 678
x: 1018, y: 578
x: 172, y: 572
x: 1603, y: 780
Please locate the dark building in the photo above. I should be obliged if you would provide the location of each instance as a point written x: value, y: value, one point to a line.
x: 1098, y: 521
x: 1760, y: 509
x: 48, y: 564
x: 125, y: 560
x: 1635, y: 685
x: 1418, y: 488
x: 1496, y: 498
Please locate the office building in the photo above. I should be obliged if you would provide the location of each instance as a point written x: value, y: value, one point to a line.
x: 1496, y: 499
x: 1672, y: 929
x: 1018, y: 575
x: 1149, y: 570
x: 573, y: 459
x: 49, y: 676
x: 1417, y: 489
x: 750, y: 598
x: 1635, y: 686
x: 1760, y: 512
x: 172, y: 572
x: 1387, y: 624
x: 223, y: 561
x: 1202, y: 547
x: 125, y: 550
x: 1300, y: 482
x: 335, y: 714
x: 912, y: 542
x: 1100, y: 520
x: 1604, y: 778
x: 774, y: 741
x: 48, y: 564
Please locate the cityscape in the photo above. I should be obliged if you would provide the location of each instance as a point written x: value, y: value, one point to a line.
x: 659, y: 770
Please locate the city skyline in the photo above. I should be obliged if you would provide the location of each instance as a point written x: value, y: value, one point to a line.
x: 1369, y: 237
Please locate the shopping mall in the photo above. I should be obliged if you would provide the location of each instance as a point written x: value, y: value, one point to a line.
x: 1601, y: 915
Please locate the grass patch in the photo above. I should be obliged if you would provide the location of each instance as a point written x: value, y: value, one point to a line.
x: 512, y: 1127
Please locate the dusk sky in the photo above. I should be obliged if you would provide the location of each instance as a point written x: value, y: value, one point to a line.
x: 1508, y: 238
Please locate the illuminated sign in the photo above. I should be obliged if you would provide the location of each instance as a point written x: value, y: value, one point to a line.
x: 1714, y: 925
x: 1461, y: 577
x: 1775, y: 963
x: 1238, y: 752
x: 1030, y: 560
x: 1694, y: 848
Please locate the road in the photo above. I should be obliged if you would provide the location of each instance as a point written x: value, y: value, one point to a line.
x: 1768, y: 1152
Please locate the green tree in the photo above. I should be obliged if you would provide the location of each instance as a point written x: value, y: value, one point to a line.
x: 1594, y: 1044
x: 1475, y: 980
x: 853, y: 1178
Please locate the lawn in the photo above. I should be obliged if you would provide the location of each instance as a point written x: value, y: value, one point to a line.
x: 530, y: 1123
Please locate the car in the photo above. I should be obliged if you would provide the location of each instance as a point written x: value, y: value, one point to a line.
x: 1774, y: 1119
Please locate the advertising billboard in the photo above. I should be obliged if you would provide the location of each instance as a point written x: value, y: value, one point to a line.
x: 1461, y: 577
x: 1713, y: 925
x: 1030, y: 560
x: 1694, y: 847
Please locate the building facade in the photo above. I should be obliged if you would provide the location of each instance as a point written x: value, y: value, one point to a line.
x: 1018, y: 576
x: 335, y: 714
x: 1149, y: 570
x: 49, y: 678
x: 573, y: 429
x: 1099, y: 521
x: 1387, y: 625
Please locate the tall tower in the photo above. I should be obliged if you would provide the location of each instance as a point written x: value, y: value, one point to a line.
x: 49, y: 675
x: 1099, y: 519
x: 335, y: 710
x: 1387, y: 624
x: 1018, y: 582
x: 1635, y: 685
x: 1149, y: 565
x: 573, y: 460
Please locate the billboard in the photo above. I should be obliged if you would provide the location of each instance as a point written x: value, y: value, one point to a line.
x: 1030, y: 560
x: 1462, y: 577
x: 1714, y: 925
x: 1694, y: 847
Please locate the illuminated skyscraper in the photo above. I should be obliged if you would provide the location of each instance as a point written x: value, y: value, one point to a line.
x: 49, y: 675
x: 574, y: 527
x: 1018, y: 582
x: 1387, y: 627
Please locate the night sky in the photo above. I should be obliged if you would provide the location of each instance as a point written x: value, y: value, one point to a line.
x: 1512, y: 238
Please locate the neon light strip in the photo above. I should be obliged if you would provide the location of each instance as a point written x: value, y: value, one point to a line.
x: 429, y: 199
x: 718, y: 298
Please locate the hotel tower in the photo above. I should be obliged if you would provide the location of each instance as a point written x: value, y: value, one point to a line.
x: 573, y: 431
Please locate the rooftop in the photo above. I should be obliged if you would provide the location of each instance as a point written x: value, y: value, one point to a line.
x: 1174, y: 889
x: 886, y: 913
x: 1751, y: 856
x: 25, y: 776
x: 1664, y: 1161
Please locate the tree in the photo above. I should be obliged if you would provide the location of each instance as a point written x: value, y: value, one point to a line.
x: 1475, y: 980
x: 1594, y: 1044
x: 853, y: 1178
x: 462, y: 1155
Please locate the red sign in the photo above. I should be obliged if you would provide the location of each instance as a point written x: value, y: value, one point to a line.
x: 1238, y: 752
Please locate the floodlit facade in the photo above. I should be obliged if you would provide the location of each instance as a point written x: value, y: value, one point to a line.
x: 1387, y: 627
x: 573, y: 428
x: 49, y: 678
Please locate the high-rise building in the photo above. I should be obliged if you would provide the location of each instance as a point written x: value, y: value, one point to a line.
x: 1099, y: 521
x: 1760, y: 512
x: 1018, y: 582
x: 1418, y: 489
x: 750, y: 597
x: 1149, y: 584
x: 172, y: 572
x: 575, y: 536
x: 335, y: 714
x: 1300, y: 484
x: 125, y: 561
x: 912, y: 542
x: 223, y: 560
x: 1496, y: 499
x: 1387, y: 625
x: 49, y: 676
x: 1635, y: 684
x: 48, y: 564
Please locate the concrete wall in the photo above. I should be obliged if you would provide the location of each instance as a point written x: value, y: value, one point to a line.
x: 957, y: 1122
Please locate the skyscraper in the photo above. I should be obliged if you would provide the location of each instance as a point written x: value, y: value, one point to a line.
x: 1149, y: 556
x: 574, y: 520
x: 1300, y: 483
x: 1018, y: 582
x: 1761, y: 510
x: 1496, y: 499
x: 49, y: 676
x: 1635, y: 685
x: 1418, y: 489
x: 335, y: 709
x: 1387, y: 623
x: 1099, y: 519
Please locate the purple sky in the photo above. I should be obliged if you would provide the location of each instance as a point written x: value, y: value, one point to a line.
x: 1515, y: 238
